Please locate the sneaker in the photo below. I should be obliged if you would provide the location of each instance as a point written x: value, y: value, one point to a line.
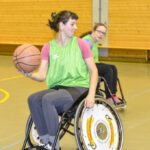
x: 36, y: 148
x: 48, y: 146
x: 115, y: 98
x: 110, y: 101
x: 120, y: 104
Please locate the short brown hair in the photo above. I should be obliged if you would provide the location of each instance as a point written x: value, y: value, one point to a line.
x: 99, y: 24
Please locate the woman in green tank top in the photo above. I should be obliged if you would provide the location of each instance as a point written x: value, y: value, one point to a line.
x: 65, y: 70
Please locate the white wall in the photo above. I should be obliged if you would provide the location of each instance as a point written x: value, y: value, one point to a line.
x: 100, y: 14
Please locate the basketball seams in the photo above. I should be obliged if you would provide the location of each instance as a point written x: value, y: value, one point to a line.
x: 27, y: 58
x: 17, y: 58
x: 17, y: 54
x: 19, y: 67
x: 26, y: 64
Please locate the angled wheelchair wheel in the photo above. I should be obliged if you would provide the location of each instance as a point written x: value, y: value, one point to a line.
x: 63, y: 130
x: 98, y: 128
x: 33, y: 137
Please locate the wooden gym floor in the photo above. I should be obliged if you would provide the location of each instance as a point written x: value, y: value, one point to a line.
x: 14, y: 90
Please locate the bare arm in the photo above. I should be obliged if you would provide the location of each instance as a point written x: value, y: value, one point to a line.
x: 90, y: 99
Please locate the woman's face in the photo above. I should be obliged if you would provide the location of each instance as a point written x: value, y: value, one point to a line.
x: 99, y: 33
x: 69, y: 28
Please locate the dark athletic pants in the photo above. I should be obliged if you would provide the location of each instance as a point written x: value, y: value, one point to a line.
x: 46, y: 105
x: 109, y: 72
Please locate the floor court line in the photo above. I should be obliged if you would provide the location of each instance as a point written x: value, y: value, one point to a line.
x: 9, y: 146
x: 11, y: 78
x: 6, y: 96
x: 13, y: 136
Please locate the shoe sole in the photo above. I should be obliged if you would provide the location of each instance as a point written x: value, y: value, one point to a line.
x: 121, y: 106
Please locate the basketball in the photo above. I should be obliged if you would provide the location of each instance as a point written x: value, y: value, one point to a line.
x: 26, y: 58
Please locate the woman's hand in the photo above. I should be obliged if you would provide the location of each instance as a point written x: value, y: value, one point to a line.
x: 89, y: 101
x: 41, y: 73
x: 27, y: 74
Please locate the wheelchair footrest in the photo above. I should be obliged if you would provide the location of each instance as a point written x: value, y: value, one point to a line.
x: 122, y: 105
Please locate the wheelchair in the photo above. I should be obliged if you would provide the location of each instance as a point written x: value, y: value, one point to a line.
x: 123, y: 103
x: 96, y: 128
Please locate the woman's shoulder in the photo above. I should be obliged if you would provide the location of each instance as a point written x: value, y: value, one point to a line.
x: 45, y: 50
x: 46, y: 46
x: 80, y: 40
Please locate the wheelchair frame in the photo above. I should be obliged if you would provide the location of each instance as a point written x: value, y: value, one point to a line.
x: 66, y: 121
x: 123, y: 103
x: 74, y: 112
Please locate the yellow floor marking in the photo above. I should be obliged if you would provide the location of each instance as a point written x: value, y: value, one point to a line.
x: 7, y: 95
x: 5, y: 79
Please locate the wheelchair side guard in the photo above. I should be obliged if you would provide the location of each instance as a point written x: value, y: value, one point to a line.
x: 100, y: 128
x: 121, y: 105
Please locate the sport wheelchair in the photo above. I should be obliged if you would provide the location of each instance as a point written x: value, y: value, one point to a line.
x: 96, y: 128
x: 123, y: 103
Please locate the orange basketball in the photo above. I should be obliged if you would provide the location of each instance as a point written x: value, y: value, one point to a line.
x: 26, y: 58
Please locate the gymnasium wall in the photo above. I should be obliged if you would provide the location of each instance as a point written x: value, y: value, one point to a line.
x: 25, y: 21
x: 129, y: 23
x: 129, y: 28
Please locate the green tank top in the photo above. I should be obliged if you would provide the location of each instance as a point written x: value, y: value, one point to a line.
x: 93, y: 46
x: 67, y: 66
